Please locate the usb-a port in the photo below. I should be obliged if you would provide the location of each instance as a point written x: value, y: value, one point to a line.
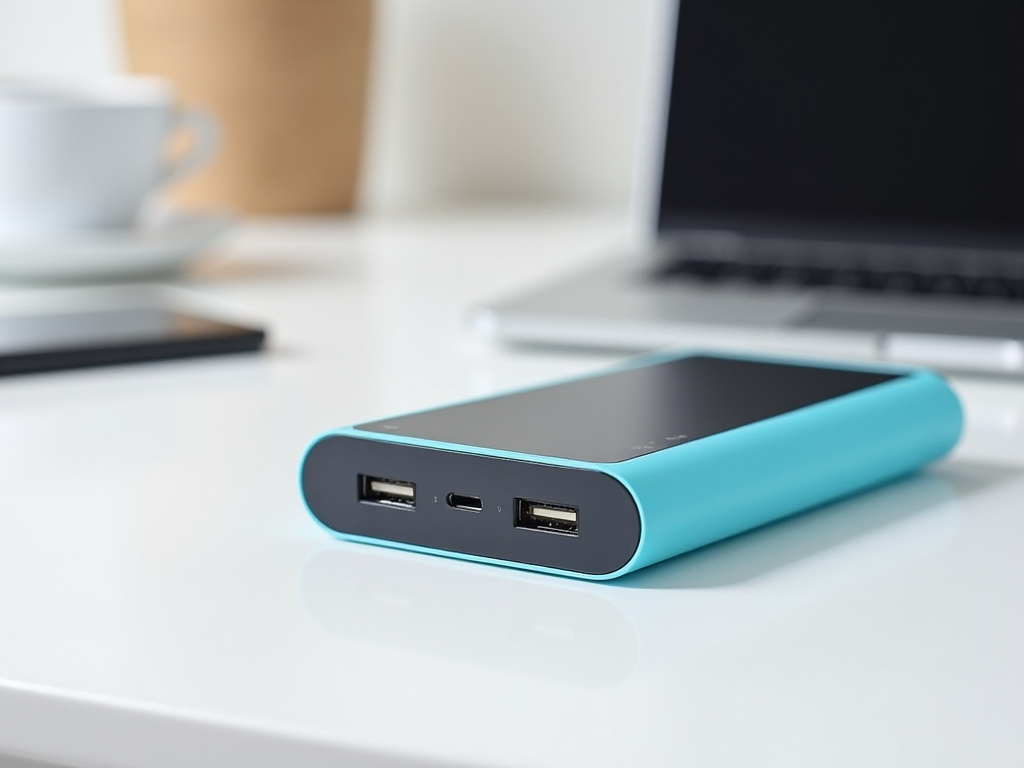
x: 381, y: 490
x: 550, y: 518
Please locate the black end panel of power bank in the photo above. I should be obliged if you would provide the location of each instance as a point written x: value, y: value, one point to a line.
x: 585, y: 521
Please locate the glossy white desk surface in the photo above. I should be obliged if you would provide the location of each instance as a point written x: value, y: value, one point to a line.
x: 166, y: 601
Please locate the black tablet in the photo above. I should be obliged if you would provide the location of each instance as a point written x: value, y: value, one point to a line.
x: 113, y: 336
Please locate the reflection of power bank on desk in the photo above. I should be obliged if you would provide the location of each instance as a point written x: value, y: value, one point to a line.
x: 602, y: 475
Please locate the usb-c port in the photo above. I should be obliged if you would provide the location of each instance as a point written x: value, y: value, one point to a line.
x: 469, y: 503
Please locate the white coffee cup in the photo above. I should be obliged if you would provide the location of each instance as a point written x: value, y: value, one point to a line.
x: 88, y: 156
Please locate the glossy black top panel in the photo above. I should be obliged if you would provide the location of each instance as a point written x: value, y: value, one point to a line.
x: 629, y: 413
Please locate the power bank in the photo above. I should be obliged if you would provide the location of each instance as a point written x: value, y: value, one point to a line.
x: 602, y: 475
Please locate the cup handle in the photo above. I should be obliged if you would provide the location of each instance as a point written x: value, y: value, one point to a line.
x: 205, y: 140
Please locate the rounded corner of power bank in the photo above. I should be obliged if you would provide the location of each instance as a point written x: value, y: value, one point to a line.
x: 612, y: 575
x: 309, y: 449
x: 316, y: 519
x: 316, y: 441
x: 945, y: 405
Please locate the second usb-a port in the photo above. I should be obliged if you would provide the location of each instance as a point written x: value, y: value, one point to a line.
x: 382, y: 490
x: 550, y: 518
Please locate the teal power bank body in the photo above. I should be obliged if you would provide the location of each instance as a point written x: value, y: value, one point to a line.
x: 602, y: 475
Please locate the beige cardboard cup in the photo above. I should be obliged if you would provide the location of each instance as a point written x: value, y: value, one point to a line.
x: 287, y: 81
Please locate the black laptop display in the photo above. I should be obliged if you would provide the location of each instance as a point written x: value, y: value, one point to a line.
x: 850, y: 120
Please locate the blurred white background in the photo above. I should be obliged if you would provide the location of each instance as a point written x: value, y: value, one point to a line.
x: 493, y: 100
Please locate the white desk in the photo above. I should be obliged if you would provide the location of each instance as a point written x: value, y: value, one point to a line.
x: 166, y: 601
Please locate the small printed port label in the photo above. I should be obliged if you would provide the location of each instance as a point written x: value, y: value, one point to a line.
x: 547, y: 517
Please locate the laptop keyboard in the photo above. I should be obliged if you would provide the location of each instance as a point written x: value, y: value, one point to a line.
x: 852, y: 278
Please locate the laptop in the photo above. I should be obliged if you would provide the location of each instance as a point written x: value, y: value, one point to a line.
x: 842, y: 177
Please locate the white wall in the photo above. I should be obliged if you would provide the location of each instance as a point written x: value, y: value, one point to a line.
x: 59, y: 38
x: 471, y: 99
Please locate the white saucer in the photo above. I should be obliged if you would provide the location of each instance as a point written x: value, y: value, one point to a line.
x: 153, y: 248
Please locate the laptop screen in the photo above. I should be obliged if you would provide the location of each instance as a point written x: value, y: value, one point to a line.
x: 848, y: 119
